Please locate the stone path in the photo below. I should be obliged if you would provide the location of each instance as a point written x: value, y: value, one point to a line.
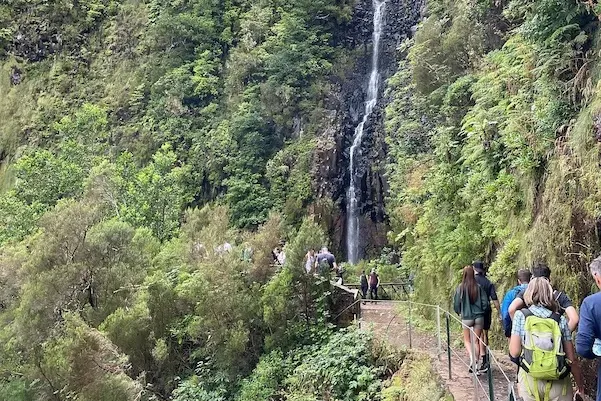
x: 387, y: 323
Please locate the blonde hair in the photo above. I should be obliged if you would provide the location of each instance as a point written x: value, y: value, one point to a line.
x: 540, y: 292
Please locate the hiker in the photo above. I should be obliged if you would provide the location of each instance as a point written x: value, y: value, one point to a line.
x: 310, y: 260
x: 276, y: 255
x: 524, y: 277
x: 281, y: 257
x: 339, y: 273
x: 374, y: 283
x: 363, y: 283
x: 541, y: 344
x: 325, y: 261
x: 565, y: 303
x: 224, y: 248
x: 491, y: 292
x: 470, y: 302
x: 247, y: 254
x: 588, y: 343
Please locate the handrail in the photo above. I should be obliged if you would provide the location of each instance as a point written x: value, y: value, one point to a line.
x: 347, y: 308
x: 474, y: 337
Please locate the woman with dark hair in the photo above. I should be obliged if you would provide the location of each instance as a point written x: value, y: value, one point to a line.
x: 470, y: 302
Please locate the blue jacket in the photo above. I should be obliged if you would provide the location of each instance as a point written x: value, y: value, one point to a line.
x: 589, y: 328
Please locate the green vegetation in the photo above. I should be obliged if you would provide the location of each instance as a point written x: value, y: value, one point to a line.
x: 493, y: 142
x: 416, y: 380
x: 140, y: 141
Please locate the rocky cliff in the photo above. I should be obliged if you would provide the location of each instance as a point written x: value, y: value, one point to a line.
x: 331, y: 158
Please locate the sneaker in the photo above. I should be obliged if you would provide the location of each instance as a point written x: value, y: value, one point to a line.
x: 473, y: 369
x: 484, y: 368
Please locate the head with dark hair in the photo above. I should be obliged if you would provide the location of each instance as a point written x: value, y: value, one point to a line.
x: 469, y: 284
x: 541, y: 270
x: 524, y: 276
x: 596, y: 271
x: 478, y: 266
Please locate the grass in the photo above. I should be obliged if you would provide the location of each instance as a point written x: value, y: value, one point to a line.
x: 416, y: 381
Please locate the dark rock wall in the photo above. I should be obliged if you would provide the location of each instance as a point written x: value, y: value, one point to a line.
x: 331, y: 159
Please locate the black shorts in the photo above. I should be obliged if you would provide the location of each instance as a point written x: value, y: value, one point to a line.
x: 487, y: 319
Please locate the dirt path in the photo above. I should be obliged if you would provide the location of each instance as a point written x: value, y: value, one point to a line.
x: 388, y: 324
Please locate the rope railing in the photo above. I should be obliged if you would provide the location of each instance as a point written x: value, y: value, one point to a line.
x: 474, y: 339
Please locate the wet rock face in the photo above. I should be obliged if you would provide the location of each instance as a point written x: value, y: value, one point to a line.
x: 331, y: 180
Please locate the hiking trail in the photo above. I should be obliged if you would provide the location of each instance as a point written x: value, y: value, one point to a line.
x: 388, y: 324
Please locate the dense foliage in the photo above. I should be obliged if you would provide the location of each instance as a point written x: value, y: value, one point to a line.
x: 493, y: 132
x: 152, y: 155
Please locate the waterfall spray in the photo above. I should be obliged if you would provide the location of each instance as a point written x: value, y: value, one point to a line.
x: 352, y: 236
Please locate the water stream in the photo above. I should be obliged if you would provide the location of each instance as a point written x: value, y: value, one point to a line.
x: 354, y: 191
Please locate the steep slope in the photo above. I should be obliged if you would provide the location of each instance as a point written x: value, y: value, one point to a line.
x: 494, y: 145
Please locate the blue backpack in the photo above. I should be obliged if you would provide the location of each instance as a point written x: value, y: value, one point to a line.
x: 507, y: 300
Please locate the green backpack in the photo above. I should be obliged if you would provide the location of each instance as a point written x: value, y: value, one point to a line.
x: 543, y: 357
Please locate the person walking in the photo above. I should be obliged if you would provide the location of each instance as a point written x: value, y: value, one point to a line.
x: 374, y: 283
x: 310, y: 260
x: 541, y: 344
x: 588, y: 343
x: 364, y: 284
x: 325, y: 261
x: 491, y: 292
x: 339, y: 275
x: 565, y: 303
x: 470, y: 302
x: 524, y: 277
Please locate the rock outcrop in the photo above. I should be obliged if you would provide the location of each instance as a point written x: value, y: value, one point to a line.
x: 331, y: 159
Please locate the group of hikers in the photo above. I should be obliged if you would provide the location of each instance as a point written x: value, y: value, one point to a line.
x: 538, y: 321
x: 322, y: 263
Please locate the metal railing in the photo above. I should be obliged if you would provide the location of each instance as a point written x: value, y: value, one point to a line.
x: 443, y: 342
x: 398, y: 289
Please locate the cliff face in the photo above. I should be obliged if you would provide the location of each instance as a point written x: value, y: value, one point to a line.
x: 330, y: 170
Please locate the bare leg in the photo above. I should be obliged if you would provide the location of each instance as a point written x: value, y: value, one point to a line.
x: 480, y: 350
x: 484, y: 342
x: 468, y: 344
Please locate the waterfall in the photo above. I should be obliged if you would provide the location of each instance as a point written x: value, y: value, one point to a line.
x: 352, y: 236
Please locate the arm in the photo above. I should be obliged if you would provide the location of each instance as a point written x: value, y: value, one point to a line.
x: 457, y: 302
x: 515, y: 346
x: 495, y: 298
x: 568, y: 347
x: 586, y: 334
x: 516, y: 305
x: 573, y: 318
x: 515, y: 341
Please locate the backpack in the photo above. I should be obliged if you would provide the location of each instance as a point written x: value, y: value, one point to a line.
x: 543, y: 357
x: 507, y: 300
x: 323, y: 267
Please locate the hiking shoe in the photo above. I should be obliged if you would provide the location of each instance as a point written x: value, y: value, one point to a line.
x: 484, y: 368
